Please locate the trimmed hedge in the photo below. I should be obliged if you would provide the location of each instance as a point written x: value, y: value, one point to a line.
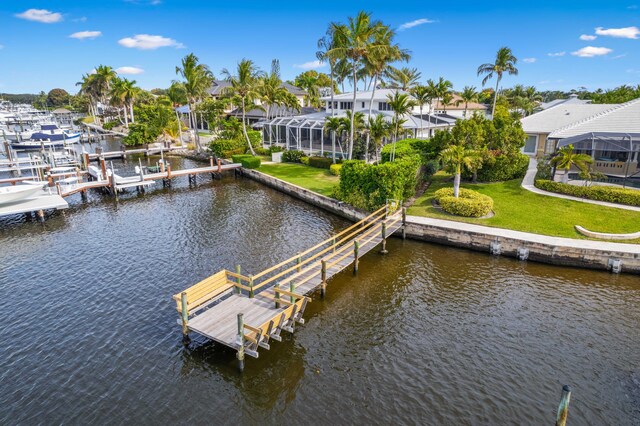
x: 428, y: 149
x: 334, y: 169
x: 503, y: 167
x: 275, y: 148
x: 609, y: 194
x: 262, y: 151
x: 468, y: 204
x: 404, y: 148
x: 320, y: 162
x: 225, y: 148
x: 292, y: 156
x: 369, y: 186
x: 247, y: 161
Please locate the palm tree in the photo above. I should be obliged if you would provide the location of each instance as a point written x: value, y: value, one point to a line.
x: 309, y: 83
x: 354, y: 42
x: 504, y: 62
x: 401, y: 104
x: 334, y: 125
x: 197, y: 80
x: 422, y: 96
x: 455, y: 158
x: 272, y: 93
x: 324, y: 46
x: 129, y: 94
x: 446, y: 100
x: 117, y: 98
x: 567, y: 157
x: 245, y: 87
x: 177, y: 94
x: 443, y: 91
x: 403, y: 78
x: 468, y: 94
x: 378, y: 129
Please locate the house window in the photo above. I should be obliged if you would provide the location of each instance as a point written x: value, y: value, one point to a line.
x: 335, y: 106
x: 550, y: 146
x: 346, y: 105
x: 362, y: 104
x: 531, y: 144
x: 384, y: 106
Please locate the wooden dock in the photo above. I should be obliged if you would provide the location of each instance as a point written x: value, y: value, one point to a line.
x: 37, y: 203
x: 245, y: 312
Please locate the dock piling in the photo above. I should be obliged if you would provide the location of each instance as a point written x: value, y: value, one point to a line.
x: 250, y: 286
x: 384, y: 238
x: 240, y: 342
x: 184, y: 314
x: 356, y: 261
x: 404, y: 223
x: 277, y: 295
x: 563, y: 408
x: 238, y: 270
x: 323, y: 277
x: 298, y: 262
x: 292, y: 289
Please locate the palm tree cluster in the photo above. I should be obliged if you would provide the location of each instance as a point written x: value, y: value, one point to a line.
x: 96, y: 87
x: 523, y: 99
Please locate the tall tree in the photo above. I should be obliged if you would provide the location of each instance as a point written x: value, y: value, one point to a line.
x: 403, y: 78
x: 244, y: 87
x: 354, y: 42
x: 197, y: 80
x: 422, y: 96
x: 402, y: 105
x: 177, y: 95
x: 468, y: 94
x: 334, y: 125
x: 505, y: 62
x: 325, y: 44
x: 378, y: 129
x: 455, y: 158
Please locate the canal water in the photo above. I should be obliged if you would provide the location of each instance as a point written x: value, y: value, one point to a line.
x: 424, y: 335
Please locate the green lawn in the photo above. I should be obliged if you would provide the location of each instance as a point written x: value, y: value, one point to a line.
x: 311, y: 178
x: 521, y: 210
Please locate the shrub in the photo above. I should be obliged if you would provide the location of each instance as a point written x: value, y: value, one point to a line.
x: 247, y: 161
x: 262, y: 151
x: 468, y: 204
x: 238, y: 157
x: 334, y: 169
x: 369, y: 186
x: 545, y: 169
x: 304, y: 160
x: 191, y: 146
x: 232, y: 152
x: 404, y: 148
x: 222, y: 147
x: 430, y: 168
x: 275, y: 148
x: 503, y: 167
x: 320, y: 162
x: 292, y: 156
x: 110, y: 125
x: 609, y: 194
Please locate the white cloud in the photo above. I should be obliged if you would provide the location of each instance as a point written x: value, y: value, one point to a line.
x: 591, y: 51
x: 415, y: 23
x: 556, y: 54
x: 619, y: 56
x: 129, y: 70
x: 40, y: 15
x: 529, y: 60
x: 310, y: 65
x: 587, y: 37
x: 627, y: 32
x: 148, y: 42
x: 81, y: 35
x: 80, y: 19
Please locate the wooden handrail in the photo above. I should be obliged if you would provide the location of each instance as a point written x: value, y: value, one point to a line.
x: 284, y: 262
x: 239, y: 276
x: 313, y: 257
x: 288, y: 293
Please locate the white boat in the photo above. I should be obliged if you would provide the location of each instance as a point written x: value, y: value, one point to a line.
x: 49, y: 136
x: 11, y: 194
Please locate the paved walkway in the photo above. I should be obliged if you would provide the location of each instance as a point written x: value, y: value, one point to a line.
x: 528, y: 184
x: 525, y: 236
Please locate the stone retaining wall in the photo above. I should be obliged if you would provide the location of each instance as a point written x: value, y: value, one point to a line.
x: 525, y: 246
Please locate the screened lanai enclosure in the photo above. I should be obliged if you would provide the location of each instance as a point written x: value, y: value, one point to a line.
x: 307, y: 133
x: 614, y: 154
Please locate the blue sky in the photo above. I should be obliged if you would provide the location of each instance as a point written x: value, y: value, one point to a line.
x: 38, y: 53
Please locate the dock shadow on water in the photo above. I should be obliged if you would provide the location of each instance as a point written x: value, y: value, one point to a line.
x: 426, y: 334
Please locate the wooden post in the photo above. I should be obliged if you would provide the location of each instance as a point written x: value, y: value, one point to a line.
x: 333, y: 243
x: 356, y: 249
x: 168, y: 171
x: 58, y: 189
x: 298, y: 262
x: 404, y: 223
x: 40, y: 214
x: 292, y: 289
x: 50, y: 180
x: 141, y: 170
x: 162, y: 168
x: 384, y: 238
x: 103, y: 168
x: 240, y: 342
x: 238, y: 279
x: 277, y: 296
x: 250, y: 286
x: 323, y: 276
x: 211, y: 161
x: 184, y: 314
x: 563, y: 409
x: 219, y: 166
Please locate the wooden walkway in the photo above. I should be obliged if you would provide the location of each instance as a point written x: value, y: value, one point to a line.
x: 245, y: 312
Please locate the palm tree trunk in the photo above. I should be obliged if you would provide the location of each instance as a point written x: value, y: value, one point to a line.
x: 353, y: 112
x: 421, y: 135
x: 179, y: 126
x: 495, y: 98
x: 333, y: 146
x: 333, y: 111
x: 244, y: 129
x: 131, y: 111
x: 126, y: 119
x: 373, y: 81
x: 456, y: 183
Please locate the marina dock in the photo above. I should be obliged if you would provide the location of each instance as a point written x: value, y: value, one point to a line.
x: 245, y: 312
x: 38, y: 204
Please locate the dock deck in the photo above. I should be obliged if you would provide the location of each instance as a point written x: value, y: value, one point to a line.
x: 37, y: 203
x: 244, y: 312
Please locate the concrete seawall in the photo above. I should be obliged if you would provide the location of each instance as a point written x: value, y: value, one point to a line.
x: 616, y: 257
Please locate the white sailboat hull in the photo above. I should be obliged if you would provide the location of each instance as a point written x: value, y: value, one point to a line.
x: 11, y: 194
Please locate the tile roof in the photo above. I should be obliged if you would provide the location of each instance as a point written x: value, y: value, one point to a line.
x: 559, y: 116
x: 617, y: 118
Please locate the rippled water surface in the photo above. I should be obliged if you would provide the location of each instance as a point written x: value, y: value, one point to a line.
x: 426, y: 334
